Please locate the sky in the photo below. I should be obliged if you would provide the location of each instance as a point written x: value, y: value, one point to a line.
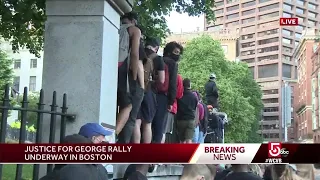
x: 182, y: 22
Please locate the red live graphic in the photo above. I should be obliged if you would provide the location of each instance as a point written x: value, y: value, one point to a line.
x: 288, y: 21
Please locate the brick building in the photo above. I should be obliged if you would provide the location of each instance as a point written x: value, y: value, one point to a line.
x: 304, y: 94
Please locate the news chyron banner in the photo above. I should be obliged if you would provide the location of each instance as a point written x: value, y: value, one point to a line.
x: 159, y: 153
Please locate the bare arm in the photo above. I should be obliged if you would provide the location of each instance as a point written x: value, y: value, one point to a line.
x: 161, y: 76
x: 141, y: 74
x: 135, y: 35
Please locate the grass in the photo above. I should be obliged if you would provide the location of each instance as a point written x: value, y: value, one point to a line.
x: 9, y: 172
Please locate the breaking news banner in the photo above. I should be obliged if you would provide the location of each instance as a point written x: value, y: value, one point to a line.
x: 159, y: 153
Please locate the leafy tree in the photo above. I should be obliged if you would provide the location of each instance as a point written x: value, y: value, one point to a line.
x: 240, y: 95
x: 22, y: 22
x: 33, y: 99
x: 6, y: 72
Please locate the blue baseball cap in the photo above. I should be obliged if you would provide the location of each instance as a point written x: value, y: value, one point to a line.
x: 93, y: 129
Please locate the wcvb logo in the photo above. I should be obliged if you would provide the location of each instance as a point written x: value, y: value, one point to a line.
x: 276, y: 150
x: 288, y: 21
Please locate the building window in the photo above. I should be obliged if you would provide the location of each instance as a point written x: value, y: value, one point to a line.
x: 271, y: 109
x: 311, y: 14
x: 285, y: 40
x: 16, y: 83
x: 286, y: 32
x: 219, y: 11
x: 270, y: 15
x: 248, y: 20
x: 33, y: 63
x: 299, y: 2
x: 233, y: 16
x: 300, y: 11
x: 268, y: 49
x: 263, y: 1
x: 232, y: 8
x: 299, y: 27
x: 286, y: 58
x: 251, y: 60
x: 268, y: 58
x: 248, y: 12
x: 312, y: 23
x: 286, y: 49
x: 296, y: 43
x: 312, y: 6
x: 272, y: 91
x: 286, y: 70
x: 298, y: 35
x: 287, y: 7
x: 247, y: 4
x: 300, y: 19
x: 32, y: 83
x: 17, y: 64
x: 272, y: 100
x: 225, y: 48
x: 249, y: 36
x: 248, y: 44
x: 217, y: 4
x: 269, y: 32
x: 286, y: 15
x: 272, y: 6
x: 266, y: 71
x: 234, y: 23
x: 232, y: 1
x: 267, y: 41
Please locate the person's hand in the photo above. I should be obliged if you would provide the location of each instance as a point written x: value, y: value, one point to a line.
x: 169, y: 108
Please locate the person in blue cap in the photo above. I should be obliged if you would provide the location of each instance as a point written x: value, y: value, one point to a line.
x: 95, y: 132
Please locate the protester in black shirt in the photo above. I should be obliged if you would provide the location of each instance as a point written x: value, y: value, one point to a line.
x: 148, y: 106
x: 186, y: 113
x: 211, y: 91
x: 165, y: 100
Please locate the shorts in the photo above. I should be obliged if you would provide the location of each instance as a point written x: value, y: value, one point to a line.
x: 148, y: 107
x: 123, y: 98
x: 169, y: 124
x: 185, y: 129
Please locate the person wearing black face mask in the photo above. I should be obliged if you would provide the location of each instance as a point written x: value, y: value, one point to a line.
x: 165, y: 99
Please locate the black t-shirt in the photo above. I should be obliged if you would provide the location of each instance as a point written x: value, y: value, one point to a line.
x: 137, y: 175
x: 242, y: 176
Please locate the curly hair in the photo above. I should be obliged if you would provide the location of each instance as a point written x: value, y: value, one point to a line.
x: 170, y: 47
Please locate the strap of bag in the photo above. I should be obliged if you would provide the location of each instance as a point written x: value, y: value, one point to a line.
x: 128, y: 68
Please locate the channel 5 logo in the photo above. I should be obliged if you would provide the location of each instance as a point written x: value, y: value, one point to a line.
x: 276, y: 150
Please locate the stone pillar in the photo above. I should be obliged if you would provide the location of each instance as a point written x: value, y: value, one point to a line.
x: 80, y: 59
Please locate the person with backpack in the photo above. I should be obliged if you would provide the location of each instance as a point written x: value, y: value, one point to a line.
x: 153, y: 67
x: 211, y: 91
x: 130, y: 76
x: 167, y: 91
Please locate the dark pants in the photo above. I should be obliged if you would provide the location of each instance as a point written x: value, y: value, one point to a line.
x: 159, y: 120
x: 213, y: 101
x: 127, y: 131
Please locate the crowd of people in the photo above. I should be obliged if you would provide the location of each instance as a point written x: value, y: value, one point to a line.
x: 231, y: 172
x: 153, y: 99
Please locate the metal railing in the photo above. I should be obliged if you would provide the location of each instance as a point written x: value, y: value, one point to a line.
x: 24, y: 110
